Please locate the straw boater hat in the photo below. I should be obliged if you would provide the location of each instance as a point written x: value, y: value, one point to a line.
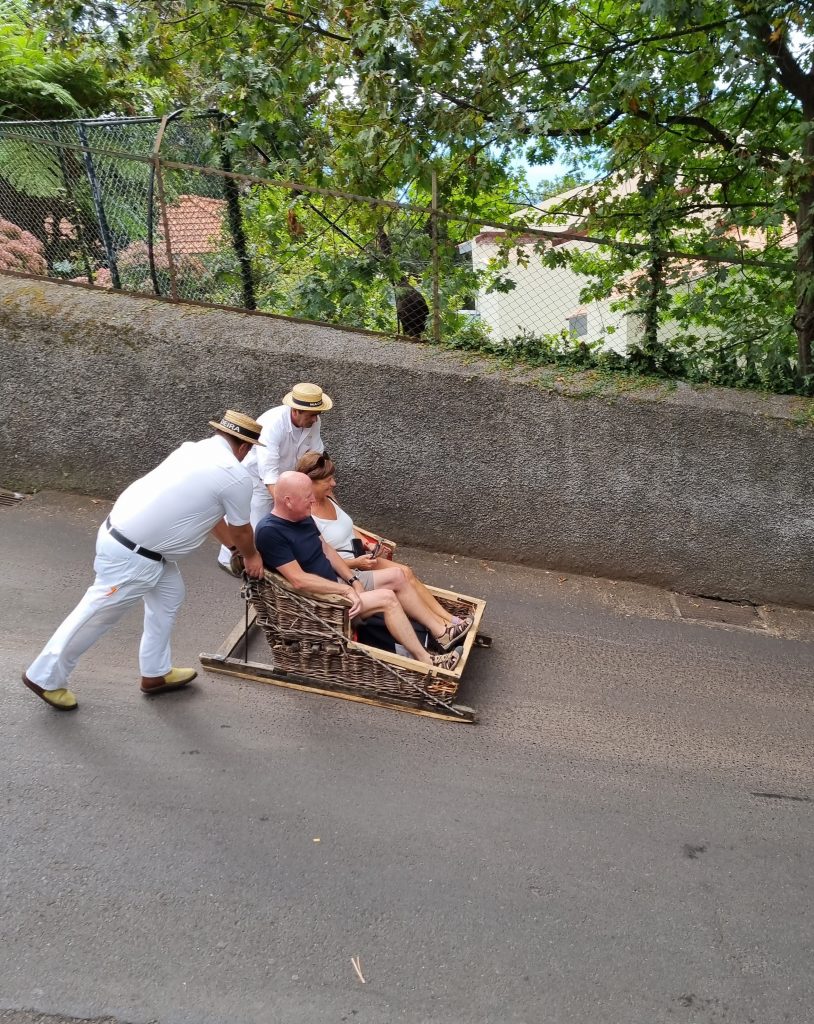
x: 242, y: 427
x: 309, y: 398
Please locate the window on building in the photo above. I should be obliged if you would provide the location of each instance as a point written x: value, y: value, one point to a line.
x: 578, y: 323
x: 463, y: 258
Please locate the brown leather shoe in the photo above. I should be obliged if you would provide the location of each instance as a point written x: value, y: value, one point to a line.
x: 59, y: 700
x: 175, y: 679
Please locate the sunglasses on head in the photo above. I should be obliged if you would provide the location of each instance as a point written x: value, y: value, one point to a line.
x: 323, y: 458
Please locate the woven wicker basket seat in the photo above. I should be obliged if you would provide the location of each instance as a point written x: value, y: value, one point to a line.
x: 313, y: 647
x: 311, y: 637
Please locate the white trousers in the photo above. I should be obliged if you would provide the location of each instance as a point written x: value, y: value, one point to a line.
x: 122, y: 579
x: 261, y: 506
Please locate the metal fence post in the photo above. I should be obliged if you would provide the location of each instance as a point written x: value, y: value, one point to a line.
x: 159, y: 182
x: 436, y: 284
x: 159, y: 138
x: 150, y: 216
x: 96, y: 193
x: 151, y: 230
x: 80, y: 230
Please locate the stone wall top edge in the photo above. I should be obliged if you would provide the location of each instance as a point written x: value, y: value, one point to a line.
x: 30, y: 296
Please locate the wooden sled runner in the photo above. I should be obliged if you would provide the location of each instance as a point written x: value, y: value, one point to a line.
x: 312, y: 648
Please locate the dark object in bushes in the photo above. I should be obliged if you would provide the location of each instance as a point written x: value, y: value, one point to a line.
x: 411, y: 308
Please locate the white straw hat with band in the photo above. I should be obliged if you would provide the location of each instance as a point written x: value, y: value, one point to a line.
x: 308, y: 398
x: 242, y: 427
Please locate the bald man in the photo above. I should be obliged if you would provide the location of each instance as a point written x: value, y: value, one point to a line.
x: 290, y: 543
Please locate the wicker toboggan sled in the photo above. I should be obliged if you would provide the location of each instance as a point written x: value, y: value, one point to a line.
x: 312, y: 647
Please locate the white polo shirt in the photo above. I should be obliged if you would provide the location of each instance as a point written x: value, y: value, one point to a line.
x: 173, y: 507
x: 285, y: 445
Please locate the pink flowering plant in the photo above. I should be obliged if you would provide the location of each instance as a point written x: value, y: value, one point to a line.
x: 20, y: 250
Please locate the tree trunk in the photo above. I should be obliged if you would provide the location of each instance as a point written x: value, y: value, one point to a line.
x: 235, y: 217
x: 655, y: 288
x: 804, y: 315
x: 652, y: 306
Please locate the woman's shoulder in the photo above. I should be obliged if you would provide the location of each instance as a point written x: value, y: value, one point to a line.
x: 333, y: 507
x: 340, y: 512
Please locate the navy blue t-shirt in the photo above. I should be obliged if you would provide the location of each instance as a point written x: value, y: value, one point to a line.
x: 280, y: 541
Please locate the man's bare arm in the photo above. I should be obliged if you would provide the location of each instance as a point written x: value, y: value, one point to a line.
x: 223, y: 532
x: 242, y: 538
x: 302, y: 580
x: 338, y: 563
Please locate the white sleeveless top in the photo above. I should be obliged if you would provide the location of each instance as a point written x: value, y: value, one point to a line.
x: 338, y: 532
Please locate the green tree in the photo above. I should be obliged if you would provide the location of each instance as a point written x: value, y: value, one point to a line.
x: 38, y: 82
x: 712, y: 103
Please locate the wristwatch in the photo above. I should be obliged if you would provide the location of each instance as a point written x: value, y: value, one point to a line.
x: 352, y: 579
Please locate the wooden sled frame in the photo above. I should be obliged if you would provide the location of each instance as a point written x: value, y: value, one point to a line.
x: 227, y: 660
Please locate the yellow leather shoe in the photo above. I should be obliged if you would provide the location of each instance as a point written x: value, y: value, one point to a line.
x: 59, y: 700
x: 175, y: 679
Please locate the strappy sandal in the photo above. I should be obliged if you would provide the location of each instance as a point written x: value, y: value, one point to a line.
x: 463, y: 618
x: 453, y: 634
x: 448, y: 661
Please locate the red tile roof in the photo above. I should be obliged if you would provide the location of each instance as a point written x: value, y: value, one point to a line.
x: 196, y: 224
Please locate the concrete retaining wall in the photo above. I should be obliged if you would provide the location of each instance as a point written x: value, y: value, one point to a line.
x: 704, y: 491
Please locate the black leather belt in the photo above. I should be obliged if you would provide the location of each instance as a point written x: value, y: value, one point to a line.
x: 139, y: 550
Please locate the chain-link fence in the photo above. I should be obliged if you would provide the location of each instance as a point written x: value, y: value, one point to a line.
x: 156, y: 207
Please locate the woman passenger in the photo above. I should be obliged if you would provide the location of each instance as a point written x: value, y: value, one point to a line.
x: 336, y: 526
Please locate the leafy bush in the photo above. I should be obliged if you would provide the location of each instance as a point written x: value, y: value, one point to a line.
x: 20, y: 250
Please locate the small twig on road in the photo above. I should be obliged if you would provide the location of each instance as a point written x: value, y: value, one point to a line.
x: 357, y: 966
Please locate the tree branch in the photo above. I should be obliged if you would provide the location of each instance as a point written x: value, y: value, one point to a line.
x: 725, y: 141
x: 621, y: 45
x: 787, y: 71
x: 552, y: 133
x: 692, y: 120
x: 606, y: 122
x: 261, y: 12
x: 465, y: 104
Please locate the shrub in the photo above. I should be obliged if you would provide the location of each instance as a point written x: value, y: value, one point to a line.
x: 20, y: 250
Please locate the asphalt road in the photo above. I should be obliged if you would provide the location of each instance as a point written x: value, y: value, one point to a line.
x: 627, y: 837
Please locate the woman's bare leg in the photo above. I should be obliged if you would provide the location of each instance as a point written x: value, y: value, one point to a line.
x: 434, y: 606
x: 408, y: 597
x: 395, y: 618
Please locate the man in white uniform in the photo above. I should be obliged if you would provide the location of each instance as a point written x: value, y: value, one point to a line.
x: 158, y: 519
x: 289, y: 431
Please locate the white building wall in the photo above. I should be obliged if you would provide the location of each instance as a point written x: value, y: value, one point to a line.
x: 543, y: 299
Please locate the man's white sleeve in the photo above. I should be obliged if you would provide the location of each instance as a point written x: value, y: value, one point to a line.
x: 268, y: 458
x: 237, y: 501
